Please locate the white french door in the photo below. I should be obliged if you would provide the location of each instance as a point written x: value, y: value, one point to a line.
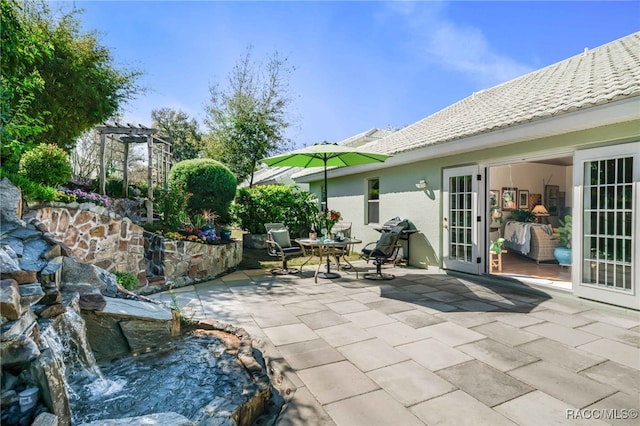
x: 605, y: 235
x: 461, y: 222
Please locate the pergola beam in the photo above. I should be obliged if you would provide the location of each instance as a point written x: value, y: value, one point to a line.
x: 136, y: 134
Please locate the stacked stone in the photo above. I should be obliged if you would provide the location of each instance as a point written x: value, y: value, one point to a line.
x: 29, y: 269
x: 174, y: 264
x: 94, y: 234
x: 39, y: 282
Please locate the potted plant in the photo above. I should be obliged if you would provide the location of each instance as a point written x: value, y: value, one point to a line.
x: 522, y: 216
x: 225, y: 233
x: 562, y: 253
x: 496, y: 246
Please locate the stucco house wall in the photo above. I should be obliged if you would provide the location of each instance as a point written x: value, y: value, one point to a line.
x: 400, y: 197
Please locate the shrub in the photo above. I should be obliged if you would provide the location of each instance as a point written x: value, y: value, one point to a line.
x: 31, y: 191
x: 46, y: 164
x: 262, y: 204
x: 211, y: 184
x: 113, y: 187
x: 127, y: 280
x: 172, y: 205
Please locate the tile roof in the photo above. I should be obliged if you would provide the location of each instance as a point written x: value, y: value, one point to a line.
x: 602, y: 75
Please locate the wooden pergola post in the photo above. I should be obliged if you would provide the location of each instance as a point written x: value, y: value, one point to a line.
x: 125, y: 172
x: 150, y: 179
x: 103, y: 170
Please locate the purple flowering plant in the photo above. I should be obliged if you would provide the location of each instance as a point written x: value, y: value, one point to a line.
x: 67, y: 196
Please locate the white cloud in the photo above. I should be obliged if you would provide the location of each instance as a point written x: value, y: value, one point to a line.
x: 464, y: 49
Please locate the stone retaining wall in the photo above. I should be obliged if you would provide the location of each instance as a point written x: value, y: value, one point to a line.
x: 97, y: 236
x: 182, y: 262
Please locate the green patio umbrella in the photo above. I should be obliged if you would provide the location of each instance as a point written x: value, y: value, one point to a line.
x: 325, y: 155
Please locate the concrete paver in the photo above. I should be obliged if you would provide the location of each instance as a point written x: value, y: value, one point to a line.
x: 434, y: 354
x: 336, y: 381
x: 608, y: 331
x: 416, y: 318
x: 371, y: 354
x: 375, y: 409
x: 409, y: 383
x: 504, y: 333
x: 560, y: 333
x: 452, y: 334
x: 496, y: 354
x: 369, y: 318
x: 577, y: 390
x: 537, y: 408
x: 619, y: 376
x: 322, y: 319
x: 310, y: 353
x: 428, y: 348
x: 615, y: 351
x: 343, y: 334
x: 484, y: 383
x: 397, y: 333
x: 458, y: 408
x: 560, y: 354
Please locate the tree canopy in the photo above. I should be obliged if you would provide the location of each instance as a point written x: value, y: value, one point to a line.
x: 247, y: 119
x: 57, y: 82
x: 187, y: 139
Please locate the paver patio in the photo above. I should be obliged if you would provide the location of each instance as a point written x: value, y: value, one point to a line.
x: 430, y: 348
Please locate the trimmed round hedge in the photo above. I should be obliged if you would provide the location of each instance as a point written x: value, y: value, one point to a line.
x: 211, y: 183
x: 46, y: 164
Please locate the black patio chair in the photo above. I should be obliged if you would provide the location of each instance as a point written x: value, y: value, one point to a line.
x: 279, y: 244
x: 382, y: 251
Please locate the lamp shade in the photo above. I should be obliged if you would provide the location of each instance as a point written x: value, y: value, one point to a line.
x: 540, y: 210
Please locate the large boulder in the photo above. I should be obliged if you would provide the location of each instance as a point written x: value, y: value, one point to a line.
x: 11, y: 202
x: 19, y: 353
x: 9, y: 262
x: 10, y: 300
x: 128, y: 326
x: 84, y: 277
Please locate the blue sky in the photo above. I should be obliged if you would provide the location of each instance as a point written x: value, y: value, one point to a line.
x: 358, y: 64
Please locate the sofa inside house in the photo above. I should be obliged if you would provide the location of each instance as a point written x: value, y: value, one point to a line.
x: 533, y: 240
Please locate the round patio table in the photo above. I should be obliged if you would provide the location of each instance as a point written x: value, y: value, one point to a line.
x: 325, y: 248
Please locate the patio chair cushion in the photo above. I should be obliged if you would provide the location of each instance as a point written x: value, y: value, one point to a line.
x: 386, y: 244
x: 281, y: 236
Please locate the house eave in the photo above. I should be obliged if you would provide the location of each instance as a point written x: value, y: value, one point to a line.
x: 602, y: 115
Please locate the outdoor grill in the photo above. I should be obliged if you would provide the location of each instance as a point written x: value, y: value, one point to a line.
x: 409, y: 228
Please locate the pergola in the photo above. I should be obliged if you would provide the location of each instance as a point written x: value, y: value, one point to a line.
x: 159, y: 156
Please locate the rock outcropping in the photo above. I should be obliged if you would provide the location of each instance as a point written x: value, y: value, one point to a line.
x: 41, y: 286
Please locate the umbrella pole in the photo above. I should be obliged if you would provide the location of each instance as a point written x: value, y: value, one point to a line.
x: 326, y: 194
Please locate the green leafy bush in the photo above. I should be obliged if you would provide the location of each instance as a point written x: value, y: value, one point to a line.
x: 262, y: 204
x: 566, y: 231
x: 211, y: 184
x: 128, y: 280
x: 46, y: 164
x: 172, y: 204
x: 31, y: 191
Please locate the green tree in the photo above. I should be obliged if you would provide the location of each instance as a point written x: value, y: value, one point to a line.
x: 248, y: 119
x: 187, y: 140
x: 20, y: 83
x: 57, y: 82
